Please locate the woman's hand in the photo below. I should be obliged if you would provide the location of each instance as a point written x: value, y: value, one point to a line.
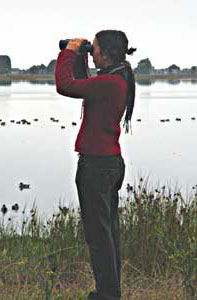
x: 75, y: 45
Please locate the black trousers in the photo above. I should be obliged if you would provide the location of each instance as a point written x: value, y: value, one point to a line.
x: 98, y: 181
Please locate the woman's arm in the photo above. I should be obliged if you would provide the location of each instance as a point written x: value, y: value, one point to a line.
x: 99, y: 86
x: 81, y: 69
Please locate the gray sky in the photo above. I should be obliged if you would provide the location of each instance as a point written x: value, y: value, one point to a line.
x: 163, y: 30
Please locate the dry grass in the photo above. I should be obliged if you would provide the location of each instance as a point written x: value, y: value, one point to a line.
x: 77, y: 285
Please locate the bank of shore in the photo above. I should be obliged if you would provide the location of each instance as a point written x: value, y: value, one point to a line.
x: 27, y: 77
x: 50, y: 77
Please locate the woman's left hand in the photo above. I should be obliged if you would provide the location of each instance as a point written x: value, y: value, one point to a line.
x: 75, y: 44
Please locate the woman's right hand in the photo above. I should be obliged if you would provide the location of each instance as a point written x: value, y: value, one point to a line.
x: 75, y: 44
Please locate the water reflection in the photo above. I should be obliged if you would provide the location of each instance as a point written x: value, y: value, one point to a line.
x: 33, y: 82
x: 145, y: 82
x: 169, y: 81
x: 5, y: 82
x: 42, y: 82
x: 173, y: 81
x: 194, y: 81
x: 138, y: 81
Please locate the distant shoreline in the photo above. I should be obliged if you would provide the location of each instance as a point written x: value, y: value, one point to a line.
x: 50, y: 77
x: 27, y: 77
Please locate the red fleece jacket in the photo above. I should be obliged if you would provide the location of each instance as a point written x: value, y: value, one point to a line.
x: 104, y: 105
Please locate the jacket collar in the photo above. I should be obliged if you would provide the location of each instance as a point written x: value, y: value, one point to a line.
x: 112, y: 69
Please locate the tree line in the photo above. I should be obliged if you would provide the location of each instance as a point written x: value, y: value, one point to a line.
x: 144, y: 67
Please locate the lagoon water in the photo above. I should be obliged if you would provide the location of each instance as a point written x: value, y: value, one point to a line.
x: 42, y: 154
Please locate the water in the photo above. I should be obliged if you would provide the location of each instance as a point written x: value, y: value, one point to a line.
x: 42, y: 154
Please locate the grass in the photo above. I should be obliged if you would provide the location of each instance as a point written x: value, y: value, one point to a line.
x: 48, y: 259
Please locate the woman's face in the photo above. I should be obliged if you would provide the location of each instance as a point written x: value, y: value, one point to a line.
x: 100, y: 60
x: 97, y: 57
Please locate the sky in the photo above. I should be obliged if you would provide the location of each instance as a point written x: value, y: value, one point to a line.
x: 165, y: 31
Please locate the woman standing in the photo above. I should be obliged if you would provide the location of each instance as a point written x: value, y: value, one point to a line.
x: 101, y: 167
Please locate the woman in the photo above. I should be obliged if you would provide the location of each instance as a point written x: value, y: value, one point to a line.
x: 101, y: 168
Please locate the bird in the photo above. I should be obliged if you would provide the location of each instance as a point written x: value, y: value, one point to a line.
x: 63, y: 127
x: 129, y: 188
x: 23, y: 121
x: 193, y: 118
x: 54, y: 120
x: 4, y: 209
x: 74, y: 123
x: 23, y: 186
x: 139, y: 120
x: 15, y: 207
x: 35, y: 120
x: 64, y: 210
x: 178, y: 119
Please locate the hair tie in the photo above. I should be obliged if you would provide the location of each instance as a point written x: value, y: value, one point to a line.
x: 131, y: 50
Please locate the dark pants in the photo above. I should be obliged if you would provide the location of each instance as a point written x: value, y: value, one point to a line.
x: 98, y: 181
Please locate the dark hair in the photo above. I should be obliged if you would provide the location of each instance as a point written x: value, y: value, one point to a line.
x: 114, y: 43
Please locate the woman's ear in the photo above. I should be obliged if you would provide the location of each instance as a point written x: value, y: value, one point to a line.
x: 105, y: 57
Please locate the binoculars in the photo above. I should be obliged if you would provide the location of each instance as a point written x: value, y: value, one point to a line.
x: 85, y: 46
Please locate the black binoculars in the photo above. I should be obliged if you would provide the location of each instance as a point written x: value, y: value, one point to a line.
x: 85, y: 46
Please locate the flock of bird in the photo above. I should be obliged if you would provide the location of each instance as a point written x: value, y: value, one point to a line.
x: 54, y: 120
x: 26, y: 122
x: 168, y: 120
x: 64, y: 210
x: 22, y: 185
x: 15, y: 207
x: 4, y: 208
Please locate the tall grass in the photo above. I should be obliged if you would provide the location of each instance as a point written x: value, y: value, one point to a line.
x: 159, y: 233
x: 48, y: 259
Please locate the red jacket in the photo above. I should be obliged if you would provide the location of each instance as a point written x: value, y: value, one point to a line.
x: 104, y: 105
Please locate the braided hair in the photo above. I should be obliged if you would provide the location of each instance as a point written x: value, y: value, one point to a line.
x: 114, y: 43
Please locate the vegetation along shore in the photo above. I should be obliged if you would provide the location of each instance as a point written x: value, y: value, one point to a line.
x: 48, y: 258
x: 50, y: 77
x: 144, y: 71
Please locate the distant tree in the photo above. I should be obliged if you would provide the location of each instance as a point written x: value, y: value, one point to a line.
x: 144, y: 67
x: 173, y: 69
x: 33, y: 70
x: 40, y: 69
x: 5, y: 64
x: 51, y: 66
x: 194, y: 69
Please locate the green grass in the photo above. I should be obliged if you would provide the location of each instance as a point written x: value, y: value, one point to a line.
x: 48, y: 259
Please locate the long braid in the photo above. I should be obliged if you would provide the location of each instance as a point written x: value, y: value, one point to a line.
x: 125, y: 71
x: 130, y: 100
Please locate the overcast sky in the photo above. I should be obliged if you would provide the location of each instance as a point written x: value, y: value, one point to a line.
x: 163, y: 30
